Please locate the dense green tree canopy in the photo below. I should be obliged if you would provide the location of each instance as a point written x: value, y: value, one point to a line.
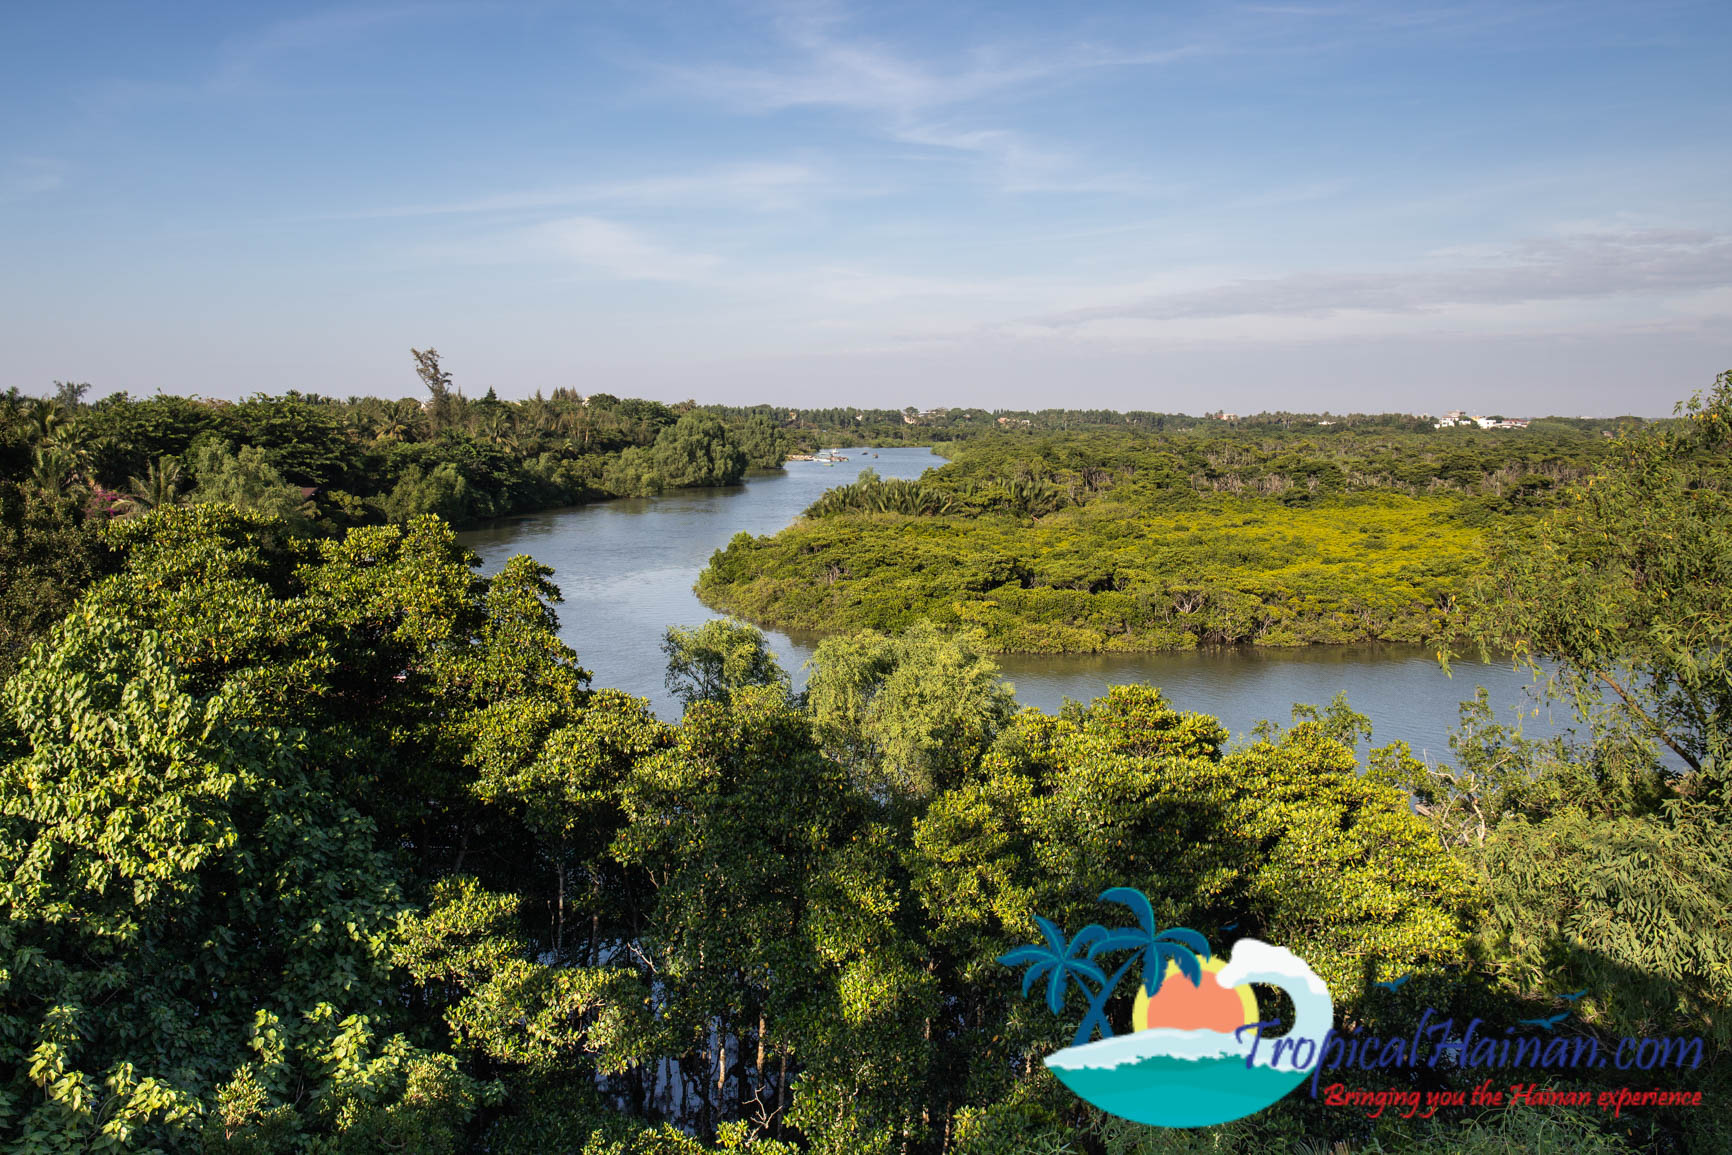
x: 697, y: 450
x: 1628, y: 586
x: 330, y: 842
x: 709, y: 662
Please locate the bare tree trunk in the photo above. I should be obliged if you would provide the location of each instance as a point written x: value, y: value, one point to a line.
x: 594, y: 917
x: 925, y: 1109
x: 781, y: 1093
x: 721, y: 1068
x: 760, y: 1066
x: 559, y: 923
x: 697, y: 1088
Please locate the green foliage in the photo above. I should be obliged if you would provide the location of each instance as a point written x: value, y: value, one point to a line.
x: 765, y: 444
x: 181, y: 882
x: 160, y: 486
x: 49, y: 551
x: 1114, y: 575
x: 634, y: 474
x: 247, y: 480
x: 1628, y: 586
x: 224, y: 760
x: 125, y: 436
x: 713, y: 660
x: 908, y: 714
x: 1604, y: 863
x: 868, y: 493
x: 1137, y: 535
x: 1284, y: 838
x: 697, y: 450
x: 442, y: 491
x: 318, y: 841
x: 297, y: 436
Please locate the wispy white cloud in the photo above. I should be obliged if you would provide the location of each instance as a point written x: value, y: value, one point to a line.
x: 1636, y: 281
x: 756, y: 187
x: 27, y: 176
x: 270, y: 51
x: 244, y: 57
x: 623, y: 252
x: 927, y: 103
x: 1560, y: 268
x: 831, y: 68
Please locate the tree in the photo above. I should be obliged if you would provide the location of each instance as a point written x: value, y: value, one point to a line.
x: 744, y: 833
x: 53, y: 470
x: 443, y: 409
x: 1285, y: 839
x: 209, y: 922
x: 159, y: 487
x: 697, y: 450
x: 69, y: 395
x: 1606, y: 869
x: 765, y: 445
x: 1628, y: 586
x: 250, y: 753
x: 909, y: 714
x: 49, y: 552
x: 300, y: 437
x: 124, y: 436
x: 442, y: 490
x: 246, y: 480
x: 711, y: 661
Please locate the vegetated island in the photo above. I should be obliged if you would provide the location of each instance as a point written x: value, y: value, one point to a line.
x: 1141, y: 539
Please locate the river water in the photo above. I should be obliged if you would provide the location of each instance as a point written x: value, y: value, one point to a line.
x: 627, y: 567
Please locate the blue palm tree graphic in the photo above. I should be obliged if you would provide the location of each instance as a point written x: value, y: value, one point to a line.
x: 1058, y: 960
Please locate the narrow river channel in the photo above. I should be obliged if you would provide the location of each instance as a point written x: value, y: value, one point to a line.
x: 626, y: 569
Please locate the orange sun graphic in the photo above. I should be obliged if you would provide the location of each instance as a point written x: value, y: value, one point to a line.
x: 1207, y: 1006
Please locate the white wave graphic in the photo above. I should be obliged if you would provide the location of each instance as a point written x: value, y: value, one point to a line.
x: 1255, y: 961
x: 1163, y: 1042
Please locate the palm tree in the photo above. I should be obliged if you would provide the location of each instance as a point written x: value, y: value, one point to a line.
x: 1154, y: 949
x: 498, y: 428
x: 157, y: 489
x: 538, y: 413
x: 53, y: 467
x: 1059, y: 963
x: 360, y: 425
x: 12, y: 413
x: 45, y: 422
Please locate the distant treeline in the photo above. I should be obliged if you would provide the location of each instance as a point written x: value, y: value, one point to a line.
x: 369, y: 459
x: 847, y: 425
x: 320, y: 459
x: 322, y: 465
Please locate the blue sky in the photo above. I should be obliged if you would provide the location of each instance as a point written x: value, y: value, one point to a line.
x: 1525, y: 207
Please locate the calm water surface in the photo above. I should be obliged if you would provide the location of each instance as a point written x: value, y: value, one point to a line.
x: 627, y: 567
